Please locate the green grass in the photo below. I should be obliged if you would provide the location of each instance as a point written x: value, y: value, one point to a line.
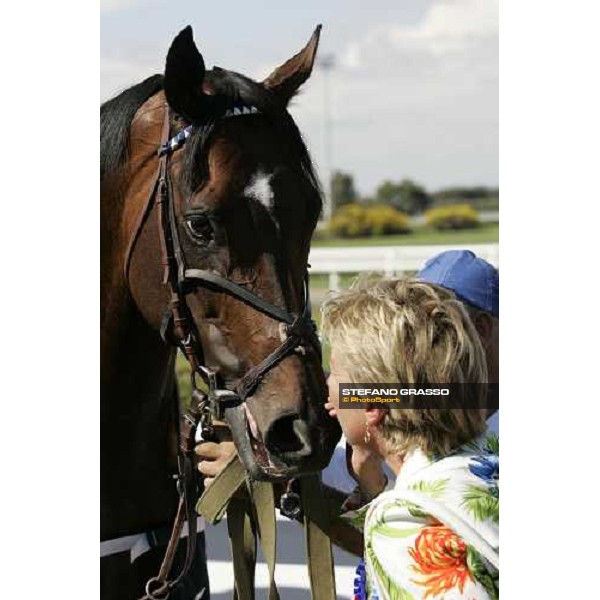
x: 486, y: 233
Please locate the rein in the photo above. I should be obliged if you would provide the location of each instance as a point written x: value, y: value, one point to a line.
x: 211, y: 402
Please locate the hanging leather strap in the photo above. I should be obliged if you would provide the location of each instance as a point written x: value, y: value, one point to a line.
x: 213, y: 502
x: 263, y: 499
x: 242, y: 541
x: 318, y: 544
x: 221, y: 497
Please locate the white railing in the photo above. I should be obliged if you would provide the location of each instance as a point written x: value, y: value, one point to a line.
x: 390, y: 260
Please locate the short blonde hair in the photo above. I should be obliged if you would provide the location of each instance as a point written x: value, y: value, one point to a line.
x: 411, y: 332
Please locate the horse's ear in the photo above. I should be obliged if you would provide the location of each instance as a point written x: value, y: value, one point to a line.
x: 286, y: 79
x: 184, y: 74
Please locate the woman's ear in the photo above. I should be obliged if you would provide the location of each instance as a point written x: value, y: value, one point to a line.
x: 374, y: 415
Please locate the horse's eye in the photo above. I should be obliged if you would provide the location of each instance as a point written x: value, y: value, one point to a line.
x: 200, y: 229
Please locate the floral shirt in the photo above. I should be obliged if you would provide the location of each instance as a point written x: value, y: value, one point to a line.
x: 435, y: 535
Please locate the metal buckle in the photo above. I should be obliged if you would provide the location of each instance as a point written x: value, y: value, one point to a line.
x: 217, y: 397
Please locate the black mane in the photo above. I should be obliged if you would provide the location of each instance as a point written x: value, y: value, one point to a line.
x: 116, y: 116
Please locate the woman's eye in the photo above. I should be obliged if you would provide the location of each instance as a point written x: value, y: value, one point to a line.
x: 200, y: 228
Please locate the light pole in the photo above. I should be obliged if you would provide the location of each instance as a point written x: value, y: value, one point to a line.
x: 326, y: 63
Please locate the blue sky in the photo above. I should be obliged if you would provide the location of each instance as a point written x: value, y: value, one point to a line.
x: 414, y: 92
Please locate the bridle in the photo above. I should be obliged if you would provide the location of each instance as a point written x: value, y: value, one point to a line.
x: 210, y: 401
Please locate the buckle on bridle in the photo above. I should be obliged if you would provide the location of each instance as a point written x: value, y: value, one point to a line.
x: 219, y: 401
x: 218, y: 398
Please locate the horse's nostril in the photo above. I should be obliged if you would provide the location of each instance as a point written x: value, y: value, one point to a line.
x: 289, y: 436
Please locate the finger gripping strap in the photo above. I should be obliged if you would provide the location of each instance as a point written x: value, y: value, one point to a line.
x: 213, y: 502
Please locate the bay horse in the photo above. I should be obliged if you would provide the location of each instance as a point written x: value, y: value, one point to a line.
x: 245, y: 201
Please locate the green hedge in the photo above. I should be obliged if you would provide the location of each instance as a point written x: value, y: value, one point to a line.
x: 354, y: 220
x: 452, y: 216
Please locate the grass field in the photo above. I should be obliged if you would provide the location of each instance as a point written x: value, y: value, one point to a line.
x: 484, y: 234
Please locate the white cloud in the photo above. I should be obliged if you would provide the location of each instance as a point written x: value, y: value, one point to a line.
x: 418, y: 101
x: 452, y: 31
x: 451, y: 26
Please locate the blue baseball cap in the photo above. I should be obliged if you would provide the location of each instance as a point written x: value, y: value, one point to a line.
x: 471, y: 278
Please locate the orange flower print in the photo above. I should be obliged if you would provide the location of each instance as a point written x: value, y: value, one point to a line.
x: 441, y: 559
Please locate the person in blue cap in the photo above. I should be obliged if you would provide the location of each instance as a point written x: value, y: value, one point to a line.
x: 476, y: 283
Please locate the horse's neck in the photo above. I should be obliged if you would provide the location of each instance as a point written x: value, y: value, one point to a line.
x: 136, y: 363
x: 137, y: 408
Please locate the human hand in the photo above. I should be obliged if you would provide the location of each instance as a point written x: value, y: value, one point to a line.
x: 212, y: 458
x: 366, y: 468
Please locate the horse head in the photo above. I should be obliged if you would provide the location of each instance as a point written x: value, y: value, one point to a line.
x: 245, y: 203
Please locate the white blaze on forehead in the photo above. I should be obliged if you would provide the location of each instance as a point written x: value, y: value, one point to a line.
x: 260, y: 189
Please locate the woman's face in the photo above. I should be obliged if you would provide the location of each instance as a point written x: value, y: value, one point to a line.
x: 352, y: 420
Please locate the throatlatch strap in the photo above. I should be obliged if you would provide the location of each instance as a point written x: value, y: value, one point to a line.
x: 318, y: 545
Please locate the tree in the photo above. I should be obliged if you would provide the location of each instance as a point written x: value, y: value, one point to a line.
x: 406, y: 196
x: 460, y: 194
x: 481, y: 197
x: 342, y: 189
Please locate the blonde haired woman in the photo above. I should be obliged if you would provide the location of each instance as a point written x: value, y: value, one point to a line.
x: 435, y: 534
